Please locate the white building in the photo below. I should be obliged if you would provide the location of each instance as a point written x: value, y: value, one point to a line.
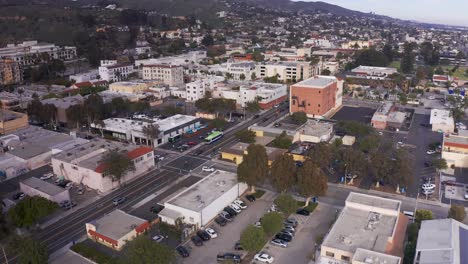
x: 442, y: 121
x: 195, y: 90
x: 169, y: 74
x: 269, y: 94
x: 287, y: 71
x: 201, y: 202
x: 241, y: 68
x: 319, y: 43
x: 372, y: 73
x: 112, y: 71
x: 85, y: 77
x: 83, y: 165
x: 35, y: 187
x: 192, y: 57
x: 455, y: 149
x: 30, y: 52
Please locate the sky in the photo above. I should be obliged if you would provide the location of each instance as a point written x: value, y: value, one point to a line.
x: 451, y: 12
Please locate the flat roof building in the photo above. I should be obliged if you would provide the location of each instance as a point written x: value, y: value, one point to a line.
x: 235, y: 153
x: 442, y: 121
x: 373, y: 73
x: 36, y: 187
x: 455, y: 150
x: 11, y: 121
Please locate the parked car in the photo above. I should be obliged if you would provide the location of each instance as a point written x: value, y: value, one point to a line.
x: 264, y: 257
x: 211, y: 232
x: 158, y: 238
x: 221, y: 221
x: 289, y: 228
x: 119, y: 200
x: 230, y: 211
x: 203, y: 235
x: 240, y: 203
x: 159, y: 157
x: 69, y: 186
x: 428, y: 186
x: 197, y: 241
x: 250, y: 198
x: 279, y: 243
x: 207, y: 169
x: 47, y: 176
x: 274, y: 208
x: 80, y: 190
x: 291, y: 221
x: 235, y: 208
x: 430, y: 152
x: 258, y: 224
x: 303, y: 212
x: 287, y: 232
x: 284, y: 237
x: 238, y: 246
x: 229, y: 256
x: 191, y: 143
x: 227, y: 216
x: 183, y: 251
x: 18, y: 196
x: 428, y: 192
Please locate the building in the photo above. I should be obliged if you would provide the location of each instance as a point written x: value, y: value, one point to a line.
x: 455, y: 149
x: 31, y: 52
x: 11, y: 121
x: 85, y: 76
x: 442, y: 241
x: 387, y: 116
x: 10, y: 72
x: 116, y: 228
x: 169, y: 74
x: 195, y: 90
x: 357, y: 44
x: 316, y: 96
x: 315, y: 132
x: 442, y: 121
x: 372, y: 73
x: 171, y: 129
x: 368, y: 229
x: 112, y: 71
x: 35, y: 187
x: 442, y: 80
x: 235, y: 153
x: 191, y: 57
x: 241, y: 71
x: 269, y: 94
x: 131, y: 87
x: 286, y: 71
x: 201, y: 202
x: 82, y: 165
x: 62, y: 104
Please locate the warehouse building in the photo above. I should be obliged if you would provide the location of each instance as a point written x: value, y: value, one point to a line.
x: 201, y: 202
x: 36, y: 187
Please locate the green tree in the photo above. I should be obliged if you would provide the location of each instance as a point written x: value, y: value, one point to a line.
x: 254, y: 167
x: 311, y: 181
x: 422, y: 215
x: 286, y: 204
x: 257, y: 56
x: 369, y: 144
x: 354, y: 128
x: 430, y: 53
x: 325, y: 72
x: 252, y: 107
x: 4, y: 228
x: 93, y: 108
x: 218, y: 123
x: 246, y: 136
x: 439, y: 164
x: 440, y: 71
x: 29, y: 250
x: 282, y: 141
x: 117, y: 165
x: 407, y: 60
x: 143, y: 250
x: 371, y: 57
x: 412, y: 232
x: 253, y: 238
x: 388, y: 51
x: 29, y: 210
x: 410, y: 252
x: 272, y: 223
x: 151, y: 132
x: 207, y: 41
x: 457, y: 212
x: 299, y: 117
x: 242, y: 77
x: 253, y: 76
x: 75, y: 115
x: 321, y: 154
x: 283, y: 170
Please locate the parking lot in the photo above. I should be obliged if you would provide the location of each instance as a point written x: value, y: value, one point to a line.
x: 229, y: 234
x: 359, y: 114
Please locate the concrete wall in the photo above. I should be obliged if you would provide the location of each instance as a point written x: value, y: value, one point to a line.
x: 338, y: 254
x: 189, y: 216
x: 446, y: 128
x: 457, y: 159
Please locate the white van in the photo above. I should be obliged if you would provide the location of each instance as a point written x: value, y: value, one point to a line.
x: 409, y: 214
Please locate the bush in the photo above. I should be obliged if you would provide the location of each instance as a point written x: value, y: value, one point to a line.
x: 311, y: 207
x: 422, y: 215
x: 299, y: 118
x: 258, y: 194
x: 93, y: 254
x: 29, y: 210
x: 253, y: 238
x: 246, y: 136
x: 457, y: 212
x: 171, y: 231
x: 286, y: 204
x: 272, y: 223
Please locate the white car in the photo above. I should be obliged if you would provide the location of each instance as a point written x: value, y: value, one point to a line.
x: 279, y: 243
x: 69, y: 186
x: 428, y: 186
x: 400, y: 143
x: 159, y: 157
x: 240, y: 203
x: 428, y: 192
x: 264, y: 257
x: 235, y: 208
x: 158, y: 238
x: 430, y: 152
x: 431, y: 97
x: 258, y: 224
x: 211, y: 232
x: 273, y: 208
x: 47, y: 176
x: 208, y: 169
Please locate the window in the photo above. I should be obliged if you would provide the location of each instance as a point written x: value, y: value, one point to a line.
x: 345, y: 258
x: 149, y: 154
x: 330, y: 254
x: 138, y: 159
x: 318, y: 105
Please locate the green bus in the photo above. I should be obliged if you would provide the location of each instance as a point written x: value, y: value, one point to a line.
x: 215, y: 136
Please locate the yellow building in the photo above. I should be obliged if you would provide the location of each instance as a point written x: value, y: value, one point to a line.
x: 132, y: 87
x: 11, y: 121
x: 235, y: 153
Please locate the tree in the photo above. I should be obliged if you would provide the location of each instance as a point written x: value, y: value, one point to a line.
x: 253, y: 238
x: 369, y: 144
x: 422, y: 215
x: 143, y: 250
x: 286, y: 204
x: 4, y: 229
x: 93, y: 108
x: 326, y: 72
x: 252, y: 107
x: 207, y: 41
x: 430, y: 53
x: 439, y: 164
x: 321, y: 154
x: 407, y: 60
x: 242, y: 77
x: 117, y: 165
x: 246, y: 136
x: 29, y: 210
x: 151, y: 132
x: 282, y: 173
x: 299, y: 117
x: 75, y: 115
x: 388, y: 51
x: 282, y: 141
x: 457, y: 212
x: 254, y: 166
x: 257, y: 56
x: 29, y: 250
x: 371, y: 57
x: 354, y: 161
x: 253, y: 76
x: 440, y: 71
x: 311, y: 181
x: 218, y: 123
x: 99, y: 124
x: 272, y: 223
x: 354, y: 128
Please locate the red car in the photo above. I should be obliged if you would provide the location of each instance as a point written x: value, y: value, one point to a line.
x: 191, y: 143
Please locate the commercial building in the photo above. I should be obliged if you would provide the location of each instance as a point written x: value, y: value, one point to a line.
x: 369, y: 229
x: 442, y: 241
x: 35, y: 187
x: 112, y: 71
x: 442, y: 121
x: 387, y: 116
x: 239, y: 69
x: 270, y: 94
x: 167, y: 73
x: 287, y: 71
x: 455, y: 149
x: 11, y: 121
x: 316, y: 96
x: 372, y: 73
x: 62, y: 104
x: 357, y: 44
x: 10, y: 72
x: 202, y: 202
x: 83, y: 164
x: 235, y: 153
x: 315, y: 132
x: 116, y: 228
x: 171, y: 129
x: 29, y: 52
x: 131, y: 87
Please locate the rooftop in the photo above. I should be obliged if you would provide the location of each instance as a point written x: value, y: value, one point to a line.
x: 116, y: 224
x: 206, y: 191
x: 43, y: 186
x: 174, y: 121
x: 41, y: 137
x: 440, y: 116
x: 27, y: 151
x: 317, y: 82
x: 374, y: 70
x: 239, y: 149
x: 316, y: 128
x: 372, y: 257
x: 373, y: 201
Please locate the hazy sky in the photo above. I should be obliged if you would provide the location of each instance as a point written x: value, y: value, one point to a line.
x: 453, y: 12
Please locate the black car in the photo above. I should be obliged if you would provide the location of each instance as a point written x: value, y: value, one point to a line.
x: 18, y: 196
x: 256, y: 116
x: 203, y: 235
x: 230, y: 211
x: 303, y: 212
x: 265, y: 119
x: 197, y: 241
x: 221, y: 221
x: 229, y: 256
x: 238, y: 246
x: 183, y: 251
x: 299, y: 164
x: 427, y: 164
x: 284, y: 237
x: 250, y: 198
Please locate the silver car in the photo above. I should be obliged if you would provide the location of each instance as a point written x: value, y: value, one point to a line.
x: 279, y: 243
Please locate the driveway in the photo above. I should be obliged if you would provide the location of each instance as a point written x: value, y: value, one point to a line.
x: 230, y: 233
x: 302, y: 248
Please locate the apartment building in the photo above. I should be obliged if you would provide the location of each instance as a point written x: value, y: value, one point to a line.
x: 287, y: 71
x: 387, y: 116
x: 10, y: 72
x: 112, y: 71
x: 316, y: 96
x: 357, y: 44
x: 455, y: 149
x: 195, y: 90
x: 239, y: 69
x: 267, y: 94
x: 372, y: 73
x: 169, y: 74
x: 31, y: 52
